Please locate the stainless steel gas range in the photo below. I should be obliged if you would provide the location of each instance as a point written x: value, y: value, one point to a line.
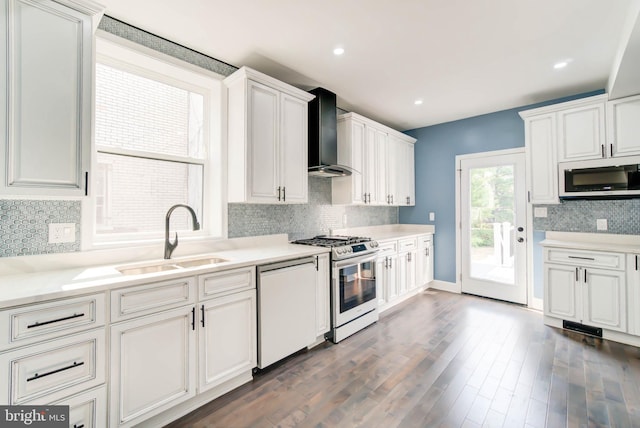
x: 353, y: 282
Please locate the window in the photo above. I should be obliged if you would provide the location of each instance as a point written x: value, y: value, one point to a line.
x: 157, y: 139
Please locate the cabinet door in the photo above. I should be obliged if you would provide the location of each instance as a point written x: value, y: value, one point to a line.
x: 381, y: 280
x: 323, y: 320
x: 540, y: 141
x: 409, y: 175
x: 369, y: 174
x: 560, y: 297
x: 379, y: 196
x: 358, y: 161
x: 604, y: 299
x: 424, y: 265
x: 153, y: 365
x: 293, y: 149
x: 581, y: 133
x: 262, y: 130
x: 87, y: 409
x: 623, y: 126
x: 393, y: 168
x: 227, y: 338
x: 47, y: 55
x: 633, y: 286
x: 391, y: 278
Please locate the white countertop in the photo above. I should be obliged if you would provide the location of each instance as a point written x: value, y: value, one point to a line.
x: 26, y: 284
x: 593, y: 241
x: 388, y: 231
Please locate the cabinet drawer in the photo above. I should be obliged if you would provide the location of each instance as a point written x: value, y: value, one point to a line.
x: 87, y: 409
x: 28, y: 324
x: 585, y: 258
x: 425, y: 241
x: 407, y: 245
x: 149, y: 298
x: 227, y: 282
x: 387, y: 247
x: 54, y: 370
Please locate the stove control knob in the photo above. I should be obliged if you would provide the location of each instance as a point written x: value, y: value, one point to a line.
x: 374, y: 244
x: 349, y: 250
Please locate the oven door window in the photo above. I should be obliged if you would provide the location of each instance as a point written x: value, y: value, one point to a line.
x: 357, y: 285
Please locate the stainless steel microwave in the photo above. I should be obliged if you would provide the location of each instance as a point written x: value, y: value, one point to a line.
x: 600, y: 179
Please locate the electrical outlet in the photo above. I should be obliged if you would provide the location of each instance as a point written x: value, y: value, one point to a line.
x: 540, y: 212
x: 344, y: 220
x: 601, y: 224
x: 62, y: 232
x: 432, y: 216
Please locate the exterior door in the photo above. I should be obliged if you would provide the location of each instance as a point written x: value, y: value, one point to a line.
x: 493, y: 218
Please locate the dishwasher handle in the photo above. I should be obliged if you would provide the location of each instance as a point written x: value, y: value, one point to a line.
x: 286, y: 264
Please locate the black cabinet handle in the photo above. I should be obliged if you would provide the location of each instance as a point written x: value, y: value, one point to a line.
x: 193, y: 318
x: 86, y: 183
x: 602, y: 150
x: 577, y: 278
x: 581, y: 258
x: 284, y: 194
x: 39, y: 376
x: 585, y: 276
x: 636, y: 262
x: 78, y: 426
x: 40, y: 324
x: 278, y: 192
x: 202, y: 315
x: 611, y: 145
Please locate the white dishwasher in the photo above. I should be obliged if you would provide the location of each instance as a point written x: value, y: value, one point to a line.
x: 286, y: 308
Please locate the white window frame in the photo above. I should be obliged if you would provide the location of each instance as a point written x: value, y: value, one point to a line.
x: 128, y: 56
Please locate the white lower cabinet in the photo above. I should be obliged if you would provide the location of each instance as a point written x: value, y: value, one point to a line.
x: 166, y: 358
x: 633, y: 289
x: 387, y: 279
x: 227, y: 338
x: 582, y: 292
x: 424, y: 271
x: 153, y: 364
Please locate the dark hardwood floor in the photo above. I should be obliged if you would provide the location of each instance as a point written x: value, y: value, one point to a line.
x: 447, y: 360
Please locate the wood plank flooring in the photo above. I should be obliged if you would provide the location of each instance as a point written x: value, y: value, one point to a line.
x: 443, y: 360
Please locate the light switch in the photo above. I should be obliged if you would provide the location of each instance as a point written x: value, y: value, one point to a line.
x: 601, y: 224
x: 432, y: 216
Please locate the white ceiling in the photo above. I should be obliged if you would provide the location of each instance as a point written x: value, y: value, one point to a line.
x: 462, y: 57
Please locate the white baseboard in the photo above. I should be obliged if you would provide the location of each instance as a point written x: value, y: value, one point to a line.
x: 451, y: 287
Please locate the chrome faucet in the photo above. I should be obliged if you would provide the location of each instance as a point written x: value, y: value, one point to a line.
x: 168, y: 245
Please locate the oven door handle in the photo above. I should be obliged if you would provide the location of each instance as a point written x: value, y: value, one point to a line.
x: 355, y: 261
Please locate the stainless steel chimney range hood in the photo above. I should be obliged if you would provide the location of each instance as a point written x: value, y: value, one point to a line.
x: 323, y: 136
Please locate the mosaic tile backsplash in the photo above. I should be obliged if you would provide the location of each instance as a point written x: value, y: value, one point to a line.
x: 305, y: 221
x: 623, y: 216
x: 24, y: 226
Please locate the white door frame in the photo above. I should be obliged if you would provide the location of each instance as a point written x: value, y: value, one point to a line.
x: 533, y: 303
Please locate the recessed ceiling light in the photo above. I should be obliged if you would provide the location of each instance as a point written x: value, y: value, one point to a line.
x: 338, y: 51
x: 559, y: 65
x: 418, y: 102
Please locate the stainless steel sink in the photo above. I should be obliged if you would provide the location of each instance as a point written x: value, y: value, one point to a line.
x: 140, y: 270
x: 200, y: 262
x: 170, y: 265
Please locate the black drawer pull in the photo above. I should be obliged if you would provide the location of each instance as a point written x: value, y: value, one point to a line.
x: 37, y: 376
x: 582, y: 258
x: 40, y: 324
x: 78, y: 426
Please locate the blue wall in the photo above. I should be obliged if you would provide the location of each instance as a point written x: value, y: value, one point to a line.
x: 435, y: 156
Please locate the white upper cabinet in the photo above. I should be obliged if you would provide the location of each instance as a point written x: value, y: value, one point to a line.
x: 46, y: 81
x: 623, y: 126
x: 540, y: 144
x: 267, y: 130
x: 581, y: 132
x: 380, y: 157
x: 584, y: 129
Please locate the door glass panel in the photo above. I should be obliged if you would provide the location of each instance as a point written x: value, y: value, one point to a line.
x: 492, y: 219
x: 357, y: 285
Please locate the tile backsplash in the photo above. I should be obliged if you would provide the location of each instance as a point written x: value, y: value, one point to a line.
x: 305, y: 221
x: 622, y: 215
x: 24, y: 226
